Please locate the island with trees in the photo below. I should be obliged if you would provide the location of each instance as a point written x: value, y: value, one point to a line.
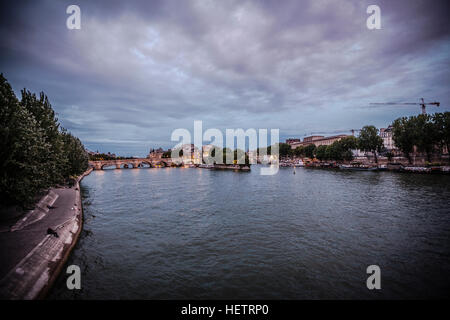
x: 417, y: 137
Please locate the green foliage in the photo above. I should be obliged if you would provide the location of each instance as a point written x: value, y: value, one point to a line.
x: 338, y: 150
x: 309, y: 150
x: 426, y: 134
x: 321, y: 152
x: 335, y: 151
x: 53, y: 157
x: 423, y: 131
x: 299, y: 151
x: 369, y: 140
x: 284, y: 150
x: 345, y: 147
x: 442, y: 126
x: 349, y: 143
x: 35, y: 153
x: 22, y: 142
x: 404, y: 136
x: 76, y: 158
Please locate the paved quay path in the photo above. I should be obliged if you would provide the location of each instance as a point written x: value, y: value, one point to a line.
x: 30, y: 257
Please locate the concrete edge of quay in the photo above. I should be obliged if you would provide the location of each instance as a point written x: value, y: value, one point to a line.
x: 68, y: 250
x: 33, y: 277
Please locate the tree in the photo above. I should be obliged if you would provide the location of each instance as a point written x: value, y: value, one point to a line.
x: 427, y: 134
x: 345, y: 147
x: 404, y: 136
x: 338, y: 150
x: 335, y: 151
x: 285, y: 150
x: 423, y: 131
x: 76, y: 156
x: 34, y: 153
x: 309, y: 150
x: 322, y: 152
x: 22, y: 142
x: 53, y: 157
x: 369, y: 140
x: 349, y: 143
x: 442, y: 124
x: 299, y: 151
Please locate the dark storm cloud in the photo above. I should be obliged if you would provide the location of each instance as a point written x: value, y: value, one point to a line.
x: 139, y: 69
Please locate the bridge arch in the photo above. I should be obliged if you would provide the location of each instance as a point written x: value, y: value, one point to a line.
x: 126, y: 165
x: 145, y: 164
x: 161, y: 163
x: 108, y: 166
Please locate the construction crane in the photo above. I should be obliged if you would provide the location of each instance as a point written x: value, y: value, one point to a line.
x: 423, y: 104
x: 333, y: 132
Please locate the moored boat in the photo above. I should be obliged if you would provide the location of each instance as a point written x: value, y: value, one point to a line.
x: 357, y: 167
x: 206, y: 166
x: 299, y: 163
x: 417, y: 169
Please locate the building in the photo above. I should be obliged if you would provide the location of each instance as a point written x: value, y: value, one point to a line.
x: 312, y: 138
x: 191, y: 154
x: 386, y: 134
x: 155, y: 154
x: 290, y: 141
x: 328, y: 140
x: 318, y: 140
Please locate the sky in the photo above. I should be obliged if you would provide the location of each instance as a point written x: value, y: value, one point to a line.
x: 137, y: 70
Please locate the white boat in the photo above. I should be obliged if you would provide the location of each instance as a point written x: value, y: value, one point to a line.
x: 299, y: 164
x: 357, y: 167
x: 417, y: 169
x: 206, y: 166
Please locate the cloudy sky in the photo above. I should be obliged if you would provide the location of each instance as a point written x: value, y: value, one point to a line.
x: 136, y: 70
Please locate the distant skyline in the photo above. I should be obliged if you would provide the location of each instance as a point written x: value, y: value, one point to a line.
x: 137, y: 70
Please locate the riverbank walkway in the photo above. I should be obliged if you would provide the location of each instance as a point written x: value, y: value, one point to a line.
x: 31, y: 255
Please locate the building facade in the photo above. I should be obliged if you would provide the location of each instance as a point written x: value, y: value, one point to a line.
x: 155, y: 154
x: 191, y: 154
x: 386, y: 134
x: 318, y: 140
x: 291, y: 141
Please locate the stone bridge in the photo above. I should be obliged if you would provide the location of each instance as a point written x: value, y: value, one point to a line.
x: 131, y: 163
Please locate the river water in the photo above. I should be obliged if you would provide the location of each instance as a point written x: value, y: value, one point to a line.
x: 177, y: 233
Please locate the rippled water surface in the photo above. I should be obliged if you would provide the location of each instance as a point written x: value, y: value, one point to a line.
x: 195, y: 233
